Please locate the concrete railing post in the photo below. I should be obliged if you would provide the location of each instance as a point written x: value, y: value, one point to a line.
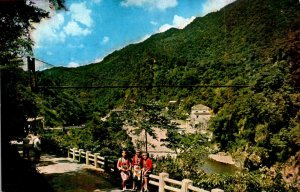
x: 87, y: 157
x: 79, y: 158
x: 161, y: 182
x: 74, y: 154
x: 96, y: 159
x: 217, y: 190
x: 185, y: 185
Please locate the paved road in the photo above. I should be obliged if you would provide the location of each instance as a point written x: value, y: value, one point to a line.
x: 66, y: 176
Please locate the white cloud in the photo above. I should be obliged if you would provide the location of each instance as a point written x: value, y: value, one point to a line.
x: 79, y: 12
x: 45, y: 5
x: 178, y: 22
x: 145, y: 37
x: 105, y: 40
x: 164, y: 28
x: 73, y: 64
x: 214, y: 5
x: 98, y: 60
x: 49, y: 31
x: 158, y: 4
x: 73, y: 29
x: 55, y: 29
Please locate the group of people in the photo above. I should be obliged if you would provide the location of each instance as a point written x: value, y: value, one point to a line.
x: 139, y: 169
x: 32, y: 142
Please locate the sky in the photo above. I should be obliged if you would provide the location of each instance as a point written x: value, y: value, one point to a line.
x: 91, y: 29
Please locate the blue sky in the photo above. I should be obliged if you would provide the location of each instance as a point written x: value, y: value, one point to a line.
x: 91, y: 29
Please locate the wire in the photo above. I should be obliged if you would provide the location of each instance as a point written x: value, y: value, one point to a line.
x: 131, y: 86
x: 142, y: 86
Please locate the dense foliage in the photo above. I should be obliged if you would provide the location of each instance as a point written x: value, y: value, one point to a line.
x: 98, y: 135
x: 17, y: 101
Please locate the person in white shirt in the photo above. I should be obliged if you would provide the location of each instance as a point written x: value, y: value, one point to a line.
x: 37, y: 147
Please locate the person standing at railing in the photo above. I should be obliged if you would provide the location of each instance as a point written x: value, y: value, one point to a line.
x: 146, y: 171
x: 124, y: 166
x: 136, y: 169
x: 37, y: 147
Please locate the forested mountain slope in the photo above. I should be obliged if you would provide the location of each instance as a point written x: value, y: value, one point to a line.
x: 249, y: 42
x: 231, y: 45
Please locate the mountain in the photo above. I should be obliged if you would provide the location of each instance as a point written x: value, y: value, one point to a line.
x: 254, y: 43
x: 211, y: 50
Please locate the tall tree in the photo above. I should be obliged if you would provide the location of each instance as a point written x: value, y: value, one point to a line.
x: 144, y: 116
x: 17, y: 101
x: 16, y: 19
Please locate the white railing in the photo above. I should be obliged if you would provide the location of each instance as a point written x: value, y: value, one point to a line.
x: 95, y: 159
x: 162, y: 181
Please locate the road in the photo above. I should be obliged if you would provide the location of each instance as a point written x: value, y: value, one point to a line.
x: 66, y: 176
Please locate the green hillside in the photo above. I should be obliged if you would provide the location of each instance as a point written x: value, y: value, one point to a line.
x: 220, y: 48
x: 229, y: 47
x: 253, y: 43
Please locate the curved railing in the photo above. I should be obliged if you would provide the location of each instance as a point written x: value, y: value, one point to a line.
x: 92, y: 159
x: 162, y: 181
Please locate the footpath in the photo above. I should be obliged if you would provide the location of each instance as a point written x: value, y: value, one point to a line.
x: 65, y: 176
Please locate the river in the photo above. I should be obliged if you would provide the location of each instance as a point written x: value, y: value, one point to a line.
x: 212, y: 166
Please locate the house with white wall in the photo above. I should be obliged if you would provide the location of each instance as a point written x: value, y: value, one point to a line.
x: 200, y: 116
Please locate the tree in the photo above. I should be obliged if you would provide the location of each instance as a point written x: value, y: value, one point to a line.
x: 17, y: 101
x: 16, y: 18
x: 16, y: 21
x: 146, y: 115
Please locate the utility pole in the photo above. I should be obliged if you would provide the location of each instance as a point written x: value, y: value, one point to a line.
x: 146, y: 141
x: 32, y: 75
x: 32, y: 81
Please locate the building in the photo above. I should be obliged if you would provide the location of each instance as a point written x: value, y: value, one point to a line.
x: 33, y: 124
x: 200, y: 116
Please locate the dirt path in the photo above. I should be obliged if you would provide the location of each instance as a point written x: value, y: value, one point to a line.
x: 51, y: 164
x: 66, y: 176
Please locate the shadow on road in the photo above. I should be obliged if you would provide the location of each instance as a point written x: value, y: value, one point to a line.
x: 64, y: 175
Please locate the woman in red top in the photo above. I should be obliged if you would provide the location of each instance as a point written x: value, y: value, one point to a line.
x: 146, y: 171
x: 124, y: 166
x: 136, y: 168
